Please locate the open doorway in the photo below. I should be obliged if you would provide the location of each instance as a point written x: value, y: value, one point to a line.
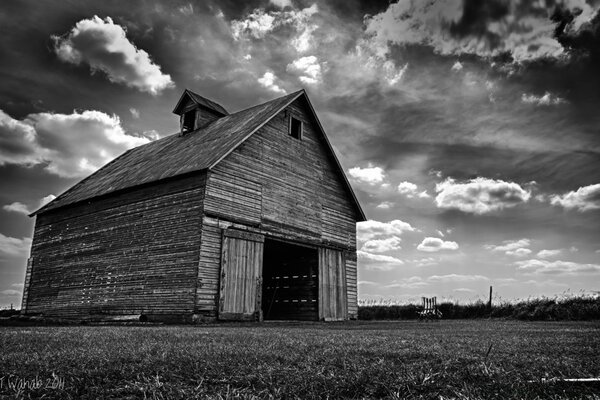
x: 290, y: 282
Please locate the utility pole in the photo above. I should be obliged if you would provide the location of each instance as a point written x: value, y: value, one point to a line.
x: 490, y: 301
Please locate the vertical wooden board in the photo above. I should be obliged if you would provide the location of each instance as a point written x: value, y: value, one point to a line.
x: 332, y: 285
x: 241, y: 265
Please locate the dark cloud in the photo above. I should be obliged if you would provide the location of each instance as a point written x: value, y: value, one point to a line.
x: 476, y: 17
x: 584, y: 41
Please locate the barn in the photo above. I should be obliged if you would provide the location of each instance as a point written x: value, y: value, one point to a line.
x: 242, y: 216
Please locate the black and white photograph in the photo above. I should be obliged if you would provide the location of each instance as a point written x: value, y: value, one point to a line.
x: 300, y: 199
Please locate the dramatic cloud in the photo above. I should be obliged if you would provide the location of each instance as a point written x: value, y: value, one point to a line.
x: 545, y: 267
x: 479, y: 195
x: 369, y: 230
x: 457, y: 278
x: 260, y: 23
x: 431, y: 244
x: 70, y: 145
x: 13, y: 246
x: 382, y: 245
x: 549, y: 253
x: 410, y: 190
x: 307, y: 68
x: 546, y: 100
x: 104, y: 46
x: 584, y: 199
x: 489, y: 28
x: 378, y: 261
x: 370, y: 175
x: 517, y: 248
x: 268, y: 81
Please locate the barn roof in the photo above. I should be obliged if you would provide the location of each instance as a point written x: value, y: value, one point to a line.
x: 176, y: 155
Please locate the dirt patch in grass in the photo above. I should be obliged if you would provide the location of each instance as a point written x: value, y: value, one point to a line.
x: 474, y: 359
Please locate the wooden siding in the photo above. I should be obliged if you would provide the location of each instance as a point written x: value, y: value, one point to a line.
x: 351, y: 284
x: 293, y: 184
x: 241, y: 273
x: 131, y: 253
x: 333, y: 300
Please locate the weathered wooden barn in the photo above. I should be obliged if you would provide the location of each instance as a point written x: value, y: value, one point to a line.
x: 238, y: 216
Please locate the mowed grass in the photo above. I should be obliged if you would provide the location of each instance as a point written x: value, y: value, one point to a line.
x: 465, y: 359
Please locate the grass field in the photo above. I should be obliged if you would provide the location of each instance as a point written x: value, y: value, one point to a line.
x: 464, y: 359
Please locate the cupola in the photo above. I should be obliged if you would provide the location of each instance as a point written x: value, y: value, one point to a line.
x: 196, y: 112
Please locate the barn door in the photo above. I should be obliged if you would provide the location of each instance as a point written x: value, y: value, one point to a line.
x: 241, y: 274
x: 333, y: 299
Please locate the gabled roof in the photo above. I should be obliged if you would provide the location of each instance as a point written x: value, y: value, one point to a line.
x: 202, y: 101
x: 175, y: 155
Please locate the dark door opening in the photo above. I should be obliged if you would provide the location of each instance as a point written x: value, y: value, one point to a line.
x: 290, y: 282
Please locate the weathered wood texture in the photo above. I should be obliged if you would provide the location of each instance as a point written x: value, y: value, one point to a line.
x: 172, y: 155
x: 26, y: 285
x: 351, y: 284
x: 286, y: 185
x: 333, y: 300
x: 241, y: 272
x: 131, y: 253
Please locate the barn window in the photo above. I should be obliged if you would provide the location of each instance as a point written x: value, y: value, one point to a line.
x: 295, y: 128
x: 189, y: 119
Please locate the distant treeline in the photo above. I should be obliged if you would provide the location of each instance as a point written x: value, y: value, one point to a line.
x: 573, y: 309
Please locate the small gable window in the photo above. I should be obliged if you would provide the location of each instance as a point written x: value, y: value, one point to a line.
x: 295, y: 128
x: 188, y: 121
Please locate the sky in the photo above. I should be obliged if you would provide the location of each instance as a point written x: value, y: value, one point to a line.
x: 469, y: 130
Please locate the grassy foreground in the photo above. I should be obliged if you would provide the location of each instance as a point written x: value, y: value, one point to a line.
x: 467, y: 359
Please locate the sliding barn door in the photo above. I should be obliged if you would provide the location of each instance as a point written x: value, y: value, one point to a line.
x: 241, y: 274
x: 333, y: 299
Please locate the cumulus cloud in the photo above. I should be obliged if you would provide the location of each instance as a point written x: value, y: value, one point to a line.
x: 369, y: 230
x: 585, y: 198
x: 549, y: 253
x: 457, y: 27
x: 519, y: 252
x: 546, y: 100
x: 517, y: 248
x: 382, y: 245
x: 17, y: 207
x: 410, y: 190
x: 104, y: 46
x: 69, y: 145
x: 14, y: 247
x: 385, y: 205
x: 268, y: 81
x: 457, y: 66
x: 457, y: 278
x: 370, y: 175
x: 259, y: 23
x: 378, y: 261
x: 308, y: 69
x: 479, y: 195
x: 24, y: 209
x: 431, y: 244
x: 545, y: 267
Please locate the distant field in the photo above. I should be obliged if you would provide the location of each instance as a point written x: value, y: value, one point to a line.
x: 465, y: 359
